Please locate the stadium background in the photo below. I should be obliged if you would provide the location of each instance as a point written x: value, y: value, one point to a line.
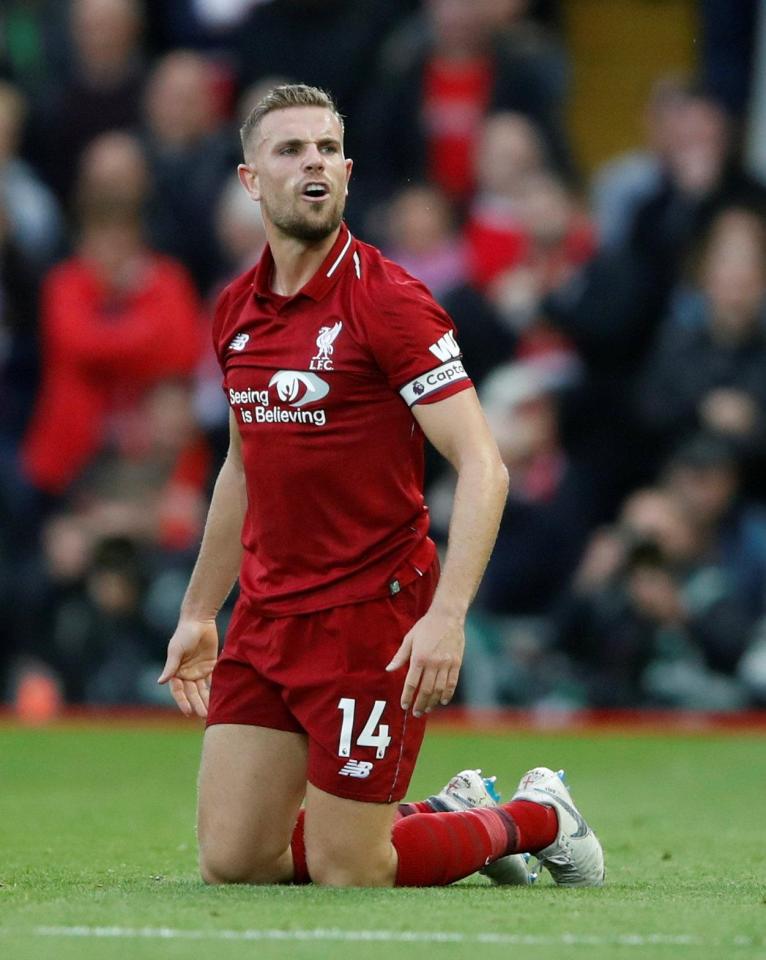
x: 582, y: 184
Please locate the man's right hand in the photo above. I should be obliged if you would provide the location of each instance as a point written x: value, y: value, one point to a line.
x: 192, y: 652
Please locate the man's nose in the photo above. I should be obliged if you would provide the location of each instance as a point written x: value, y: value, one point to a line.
x: 313, y: 159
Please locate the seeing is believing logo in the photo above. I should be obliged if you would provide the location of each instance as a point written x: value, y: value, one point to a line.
x: 298, y: 387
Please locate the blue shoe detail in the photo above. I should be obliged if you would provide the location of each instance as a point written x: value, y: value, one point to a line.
x: 489, y: 783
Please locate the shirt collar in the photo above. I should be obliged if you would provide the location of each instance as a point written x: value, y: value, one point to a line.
x: 327, y: 274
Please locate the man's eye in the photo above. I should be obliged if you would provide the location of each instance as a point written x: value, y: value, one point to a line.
x: 288, y: 150
x: 329, y: 148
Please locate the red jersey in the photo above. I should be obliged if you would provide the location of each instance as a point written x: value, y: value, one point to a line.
x: 455, y: 101
x: 101, y: 353
x: 321, y: 384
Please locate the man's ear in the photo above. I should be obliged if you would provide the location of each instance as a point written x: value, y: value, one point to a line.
x: 349, y: 168
x: 248, y: 177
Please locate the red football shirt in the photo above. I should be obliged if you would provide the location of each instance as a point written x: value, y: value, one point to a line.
x: 321, y: 384
x: 455, y: 101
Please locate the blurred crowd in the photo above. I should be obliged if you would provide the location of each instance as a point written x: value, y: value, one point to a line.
x: 613, y: 325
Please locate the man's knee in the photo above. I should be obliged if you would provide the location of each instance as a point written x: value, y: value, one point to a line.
x: 222, y: 866
x: 342, y: 865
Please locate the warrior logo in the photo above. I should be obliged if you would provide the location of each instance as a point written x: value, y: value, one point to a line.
x: 325, y: 340
x: 298, y: 388
x: 445, y: 347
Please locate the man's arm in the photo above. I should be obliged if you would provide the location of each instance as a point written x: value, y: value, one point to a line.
x: 193, y: 648
x: 434, y: 646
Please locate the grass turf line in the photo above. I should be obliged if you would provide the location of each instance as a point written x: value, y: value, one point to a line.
x: 96, y: 830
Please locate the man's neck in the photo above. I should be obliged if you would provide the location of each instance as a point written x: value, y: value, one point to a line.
x: 296, y: 261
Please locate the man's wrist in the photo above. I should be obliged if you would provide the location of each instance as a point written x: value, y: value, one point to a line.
x: 451, y: 608
x: 197, y: 614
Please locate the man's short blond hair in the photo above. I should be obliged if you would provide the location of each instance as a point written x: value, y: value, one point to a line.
x: 283, y: 97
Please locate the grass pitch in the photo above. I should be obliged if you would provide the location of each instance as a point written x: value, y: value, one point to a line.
x: 97, y: 857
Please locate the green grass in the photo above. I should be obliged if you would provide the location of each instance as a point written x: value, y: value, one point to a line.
x: 97, y: 830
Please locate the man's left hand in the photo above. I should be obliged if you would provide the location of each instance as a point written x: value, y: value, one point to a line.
x: 434, y: 649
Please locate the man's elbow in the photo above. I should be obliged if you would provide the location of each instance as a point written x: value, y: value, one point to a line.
x: 503, y: 477
x: 490, y: 465
x: 500, y: 476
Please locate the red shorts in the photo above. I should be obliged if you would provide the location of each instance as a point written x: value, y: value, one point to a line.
x: 323, y: 674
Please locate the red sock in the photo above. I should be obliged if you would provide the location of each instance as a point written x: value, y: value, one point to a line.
x: 538, y: 825
x: 438, y: 848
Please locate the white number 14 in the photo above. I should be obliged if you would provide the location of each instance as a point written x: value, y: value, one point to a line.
x: 368, y: 737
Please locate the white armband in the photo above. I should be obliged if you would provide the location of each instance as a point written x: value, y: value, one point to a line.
x: 427, y: 383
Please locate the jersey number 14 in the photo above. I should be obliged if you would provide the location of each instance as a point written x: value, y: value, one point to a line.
x: 374, y: 734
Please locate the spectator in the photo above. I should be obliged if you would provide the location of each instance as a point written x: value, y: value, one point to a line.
x: 704, y: 474
x: 701, y: 177
x: 521, y: 262
x: 189, y: 157
x: 430, y: 102
x: 547, y: 518
x: 423, y: 239
x: 32, y: 214
x: 650, y: 619
x: 103, y: 90
x: 103, y: 647
x: 114, y: 169
x: 622, y: 185
x: 526, y: 237
x: 546, y: 241
x: 509, y: 151
x: 549, y: 510
x: 146, y: 493
x: 149, y: 483
x: 710, y: 372
x: 45, y: 585
x: 116, y: 318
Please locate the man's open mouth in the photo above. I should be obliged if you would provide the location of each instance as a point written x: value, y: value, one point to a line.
x: 315, y: 191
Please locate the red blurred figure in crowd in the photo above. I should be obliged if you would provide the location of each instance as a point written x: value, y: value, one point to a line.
x: 104, y: 314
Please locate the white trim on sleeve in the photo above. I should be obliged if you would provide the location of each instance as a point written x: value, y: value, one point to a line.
x: 428, y: 383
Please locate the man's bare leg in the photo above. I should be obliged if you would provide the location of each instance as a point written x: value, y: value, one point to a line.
x: 243, y: 834
x: 348, y: 843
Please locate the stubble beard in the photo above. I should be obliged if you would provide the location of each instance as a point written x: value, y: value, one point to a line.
x: 308, y: 229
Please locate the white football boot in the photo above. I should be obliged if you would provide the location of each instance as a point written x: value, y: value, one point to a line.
x: 467, y: 790
x: 575, y: 858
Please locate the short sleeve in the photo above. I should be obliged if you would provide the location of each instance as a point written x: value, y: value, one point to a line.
x: 414, y: 342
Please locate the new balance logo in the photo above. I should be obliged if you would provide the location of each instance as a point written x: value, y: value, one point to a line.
x: 239, y: 342
x: 361, y: 769
x: 445, y: 347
